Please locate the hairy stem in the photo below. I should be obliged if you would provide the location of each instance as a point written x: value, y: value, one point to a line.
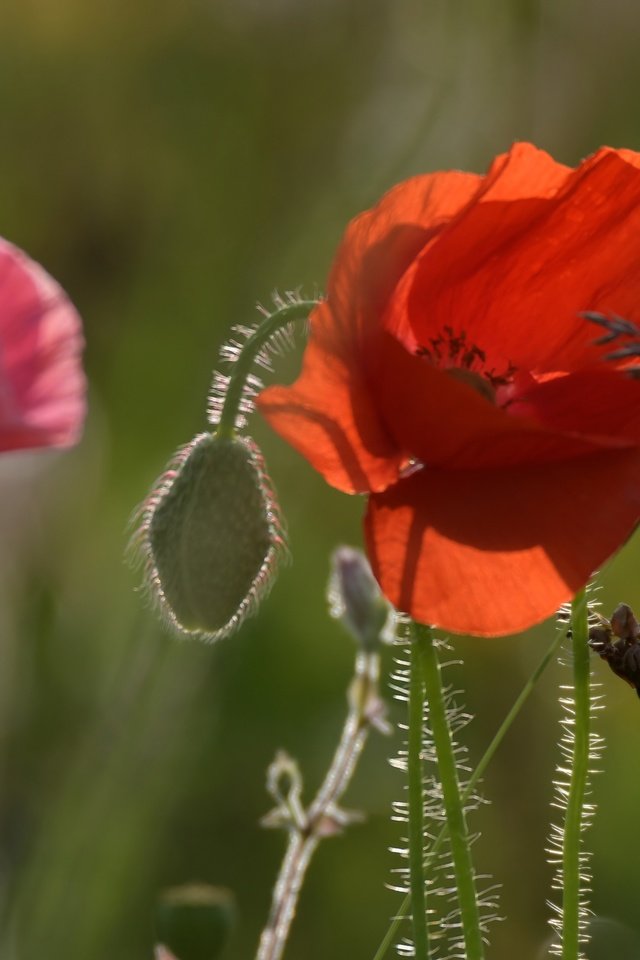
x: 579, y: 773
x: 323, y: 817
x: 281, y: 317
x: 475, y: 777
x: 452, y: 797
x: 417, y: 890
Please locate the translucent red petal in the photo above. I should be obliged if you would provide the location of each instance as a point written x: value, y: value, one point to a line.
x: 492, y: 552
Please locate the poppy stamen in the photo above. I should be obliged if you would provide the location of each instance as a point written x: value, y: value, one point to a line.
x: 466, y: 361
x: 618, y: 327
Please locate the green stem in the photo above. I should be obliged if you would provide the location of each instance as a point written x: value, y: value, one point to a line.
x: 452, y: 798
x: 578, y: 785
x: 323, y: 817
x: 281, y: 317
x: 475, y: 777
x: 417, y: 890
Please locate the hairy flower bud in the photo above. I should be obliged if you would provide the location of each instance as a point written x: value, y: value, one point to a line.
x: 355, y: 598
x: 193, y: 922
x: 211, y: 535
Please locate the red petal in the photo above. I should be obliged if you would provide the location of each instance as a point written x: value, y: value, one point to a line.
x: 491, y: 553
x: 330, y: 414
x: 441, y: 421
x: 42, y: 386
x: 598, y: 403
x: 516, y: 273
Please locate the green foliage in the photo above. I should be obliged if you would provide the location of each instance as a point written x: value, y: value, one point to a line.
x: 170, y: 164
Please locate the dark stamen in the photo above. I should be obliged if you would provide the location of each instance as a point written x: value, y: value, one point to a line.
x: 465, y: 361
x: 618, y: 327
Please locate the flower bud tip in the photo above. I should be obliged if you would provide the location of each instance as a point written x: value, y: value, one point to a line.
x: 355, y: 599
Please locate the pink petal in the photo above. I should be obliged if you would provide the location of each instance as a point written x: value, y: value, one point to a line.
x: 42, y: 385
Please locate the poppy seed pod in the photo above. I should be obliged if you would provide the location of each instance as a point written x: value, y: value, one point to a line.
x: 211, y: 536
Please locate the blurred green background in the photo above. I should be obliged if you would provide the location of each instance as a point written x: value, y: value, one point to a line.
x: 172, y: 162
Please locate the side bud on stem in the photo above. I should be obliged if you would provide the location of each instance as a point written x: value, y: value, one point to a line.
x: 355, y: 599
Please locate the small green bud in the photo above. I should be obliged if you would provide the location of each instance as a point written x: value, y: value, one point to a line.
x: 355, y: 599
x: 194, y: 922
x: 211, y: 536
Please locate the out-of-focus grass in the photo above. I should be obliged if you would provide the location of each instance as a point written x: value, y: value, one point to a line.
x: 170, y: 164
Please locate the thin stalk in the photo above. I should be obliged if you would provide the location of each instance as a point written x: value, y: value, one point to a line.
x: 475, y: 777
x: 452, y: 797
x: 323, y: 817
x: 352, y: 741
x: 274, y: 937
x: 579, y: 773
x: 281, y: 317
x: 417, y: 879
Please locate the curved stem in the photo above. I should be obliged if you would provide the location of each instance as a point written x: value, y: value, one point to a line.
x: 281, y: 317
x: 452, y: 798
x: 324, y: 816
x: 578, y: 784
x: 475, y: 776
x: 417, y: 890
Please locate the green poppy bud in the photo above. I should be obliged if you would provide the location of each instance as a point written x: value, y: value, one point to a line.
x: 193, y: 922
x: 211, y: 536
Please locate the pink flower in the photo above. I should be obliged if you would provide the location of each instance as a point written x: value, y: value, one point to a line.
x: 42, y: 385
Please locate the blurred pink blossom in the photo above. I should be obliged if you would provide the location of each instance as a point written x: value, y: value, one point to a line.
x: 42, y: 384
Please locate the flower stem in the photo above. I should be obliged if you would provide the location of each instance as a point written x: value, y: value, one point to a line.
x: 324, y: 817
x: 475, y: 776
x: 281, y: 317
x: 285, y: 895
x: 452, y: 797
x: 579, y: 773
x: 417, y: 879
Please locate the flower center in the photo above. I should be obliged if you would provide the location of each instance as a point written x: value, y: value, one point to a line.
x: 467, y: 362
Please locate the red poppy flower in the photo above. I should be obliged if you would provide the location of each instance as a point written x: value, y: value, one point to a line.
x: 451, y: 375
x: 42, y: 386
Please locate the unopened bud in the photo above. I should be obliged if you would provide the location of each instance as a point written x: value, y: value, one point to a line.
x: 194, y: 922
x: 211, y: 536
x: 356, y: 600
x: 624, y: 623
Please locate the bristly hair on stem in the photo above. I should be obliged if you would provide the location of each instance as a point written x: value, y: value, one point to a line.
x: 580, y: 748
x: 475, y: 778
x: 445, y: 936
x: 248, y: 354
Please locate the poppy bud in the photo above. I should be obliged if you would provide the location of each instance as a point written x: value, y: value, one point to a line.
x: 193, y: 922
x: 211, y: 535
x: 356, y: 600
